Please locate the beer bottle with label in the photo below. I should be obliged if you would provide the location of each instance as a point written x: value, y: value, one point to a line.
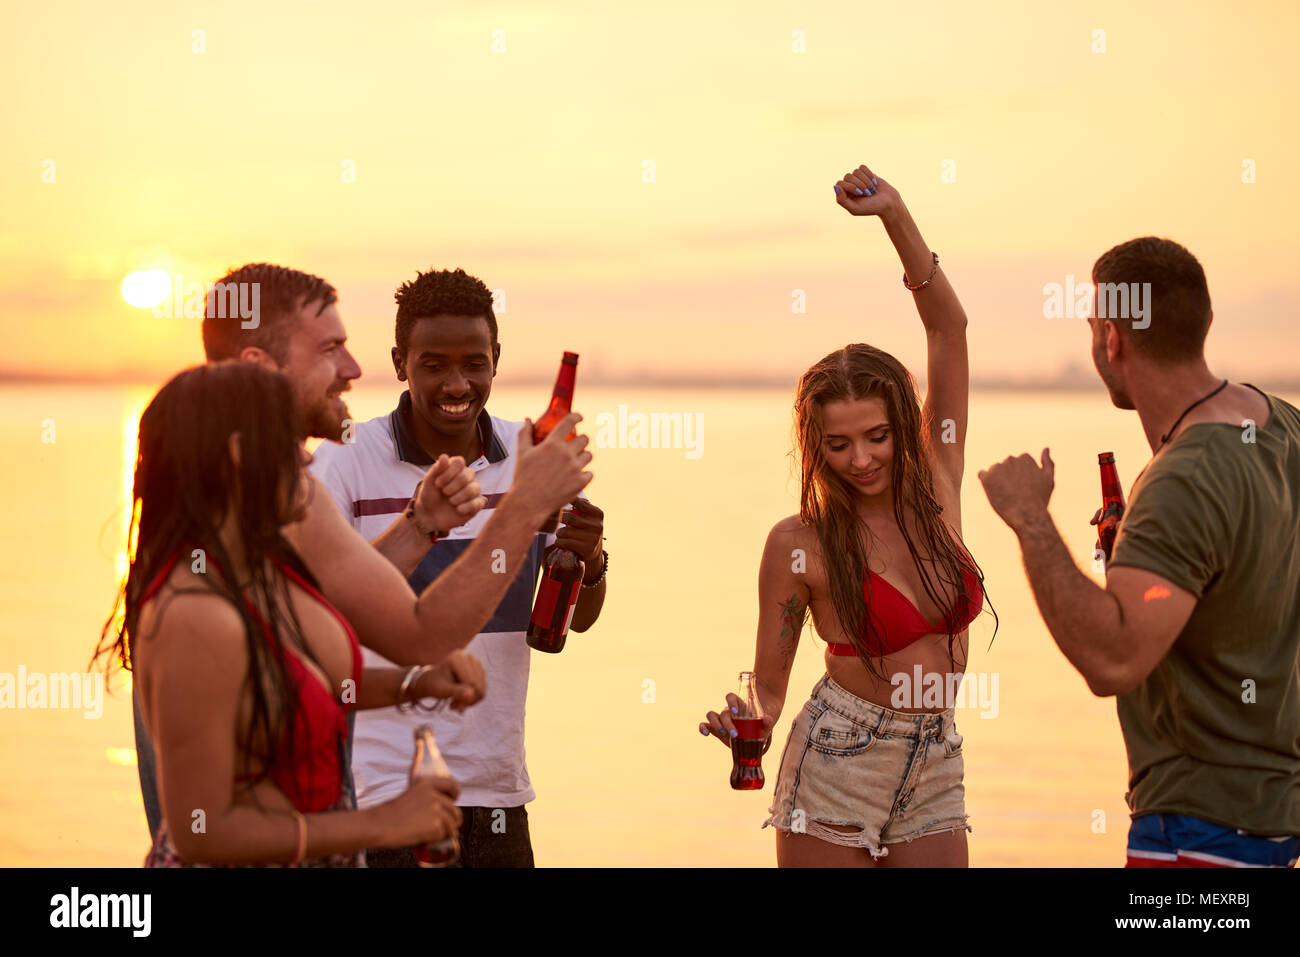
x: 428, y: 763
x: 562, y: 570
x: 1112, y: 503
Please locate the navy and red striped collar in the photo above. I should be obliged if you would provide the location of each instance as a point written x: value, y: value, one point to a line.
x: 409, y: 450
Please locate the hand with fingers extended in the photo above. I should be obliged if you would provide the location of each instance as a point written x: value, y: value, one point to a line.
x: 550, y: 474
x: 863, y: 193
x: 723, y: 728
x: 449, y: 495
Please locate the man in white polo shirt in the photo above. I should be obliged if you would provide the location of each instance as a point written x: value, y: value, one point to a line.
x: 447, y: 352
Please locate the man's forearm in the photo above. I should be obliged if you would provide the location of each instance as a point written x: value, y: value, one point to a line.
x: 459, y: 602
x: 402, y: 544
x: 1084, y: 619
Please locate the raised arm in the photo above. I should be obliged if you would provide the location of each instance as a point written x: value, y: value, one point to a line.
x: 376, y: 598
x: 783, y: 596
x: 947, y: 365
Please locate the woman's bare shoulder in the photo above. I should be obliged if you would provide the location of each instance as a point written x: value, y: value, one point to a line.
x: 188, y: 616
x: 793, y: 547
x: 792, y: 532
x: 792, y: 526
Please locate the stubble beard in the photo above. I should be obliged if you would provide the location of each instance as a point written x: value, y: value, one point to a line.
x: 322, y: 421
x: 1118, y: 396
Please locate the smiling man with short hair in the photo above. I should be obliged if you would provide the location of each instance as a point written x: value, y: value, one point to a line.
x: 447, y: 351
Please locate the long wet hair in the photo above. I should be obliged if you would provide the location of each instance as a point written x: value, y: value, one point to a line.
x: 827, y: 502
x: 186, y: 485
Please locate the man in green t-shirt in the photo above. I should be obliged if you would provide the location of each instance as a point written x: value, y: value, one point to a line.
x: 1197, y: 631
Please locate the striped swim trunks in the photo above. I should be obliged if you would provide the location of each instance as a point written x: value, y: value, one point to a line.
x: 1177, y: 840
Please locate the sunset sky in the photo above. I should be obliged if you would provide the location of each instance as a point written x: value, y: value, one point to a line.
x: 521, y: 155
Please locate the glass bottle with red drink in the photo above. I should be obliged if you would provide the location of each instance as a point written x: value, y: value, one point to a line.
x: 1112, y: 503
x: 428, y: 763
x: 562, y: 570
x: 747, y: 746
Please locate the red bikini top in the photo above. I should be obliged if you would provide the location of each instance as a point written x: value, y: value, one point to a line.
x: 897, y: 621
x: 311, y: 777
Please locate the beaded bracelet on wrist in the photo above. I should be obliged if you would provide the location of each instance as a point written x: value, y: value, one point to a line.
x: 603, y: 569
x: 928, y: 279
x: 433, y: 535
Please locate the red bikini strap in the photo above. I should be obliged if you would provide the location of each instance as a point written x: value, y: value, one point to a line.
x: 161, y: 577
x: 301, y: 582
x: 315, y: 593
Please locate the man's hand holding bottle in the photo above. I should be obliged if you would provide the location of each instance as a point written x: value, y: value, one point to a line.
x: 550, y: 475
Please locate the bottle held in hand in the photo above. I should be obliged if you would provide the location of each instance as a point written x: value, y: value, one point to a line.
x: 562, y: 571
x: 747, y: 746
x: 561, y: 399
x: 1112, y: 503
x: 428, y: 763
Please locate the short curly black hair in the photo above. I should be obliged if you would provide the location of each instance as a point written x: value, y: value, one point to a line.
x: 442, y: 292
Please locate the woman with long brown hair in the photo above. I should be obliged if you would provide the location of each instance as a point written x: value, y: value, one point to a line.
x: 872, y: 771
x: 243, y: 669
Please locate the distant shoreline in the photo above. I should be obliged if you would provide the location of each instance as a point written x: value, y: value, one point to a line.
x: 644, y: 381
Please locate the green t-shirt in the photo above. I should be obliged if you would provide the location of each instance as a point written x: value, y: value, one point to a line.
x: 1214, y: 730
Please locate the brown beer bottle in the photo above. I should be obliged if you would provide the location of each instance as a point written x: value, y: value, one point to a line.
x: 428, y: 763
x: 562, y: 571
x: 1112, y: 503
x: 561, y: 399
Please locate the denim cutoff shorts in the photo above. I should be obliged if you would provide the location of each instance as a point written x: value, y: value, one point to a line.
x: 891, y: 775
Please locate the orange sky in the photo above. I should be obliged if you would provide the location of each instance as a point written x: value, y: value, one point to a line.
x: 526, y: 167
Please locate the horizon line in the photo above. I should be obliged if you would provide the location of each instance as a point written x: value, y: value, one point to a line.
x: 1067, y: 380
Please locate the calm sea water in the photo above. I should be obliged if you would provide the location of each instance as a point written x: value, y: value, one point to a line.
x: 622, y: 774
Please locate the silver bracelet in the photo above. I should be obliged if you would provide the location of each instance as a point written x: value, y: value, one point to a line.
x: 412, y: 676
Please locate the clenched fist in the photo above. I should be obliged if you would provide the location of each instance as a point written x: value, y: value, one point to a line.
x: 1018, y: 489
x: 449, y: 495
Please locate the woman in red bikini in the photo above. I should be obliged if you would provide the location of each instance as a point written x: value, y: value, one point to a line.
x: 872, y: 771
x: 245, y: 671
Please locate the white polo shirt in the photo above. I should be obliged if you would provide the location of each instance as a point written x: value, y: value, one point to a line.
x: 372, y: 480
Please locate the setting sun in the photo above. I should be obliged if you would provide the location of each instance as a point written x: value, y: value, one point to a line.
x: 145, y: 289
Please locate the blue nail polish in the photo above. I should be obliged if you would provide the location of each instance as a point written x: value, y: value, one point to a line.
x: 873, y: 181
x: 704, y: 731
x: 837, y: 190
x: 735, y: 733
x: 735, y: 710
x: 858, y: 191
